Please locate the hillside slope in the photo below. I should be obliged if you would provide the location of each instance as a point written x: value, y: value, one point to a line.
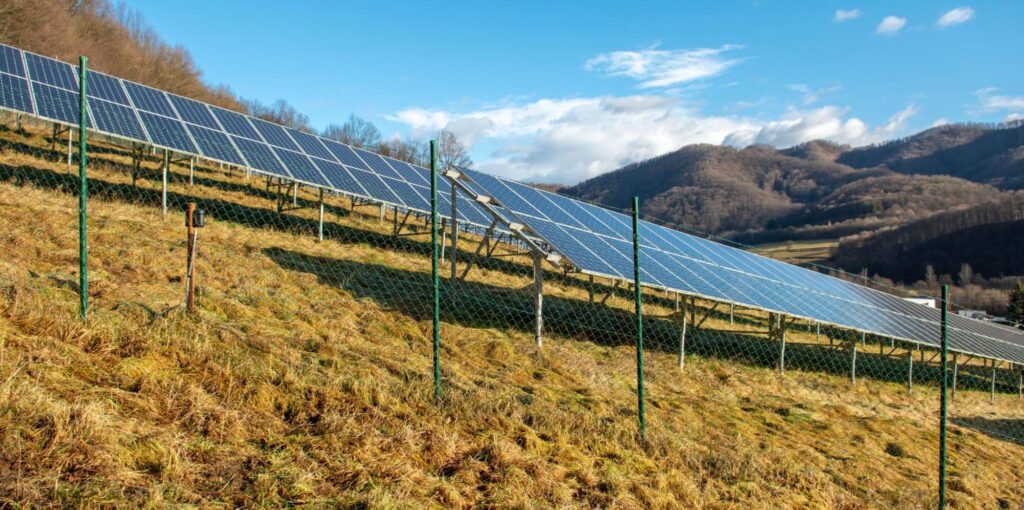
x: 305, y: 379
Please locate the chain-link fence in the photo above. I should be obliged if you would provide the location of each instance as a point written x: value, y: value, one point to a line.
x: 835, y: 393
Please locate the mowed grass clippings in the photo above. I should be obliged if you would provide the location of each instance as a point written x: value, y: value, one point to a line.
x: 294, y: 387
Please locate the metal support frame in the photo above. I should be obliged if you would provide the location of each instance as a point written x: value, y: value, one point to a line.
x: 732, y: 311
x: 853, y: 362
x: 191, y: 172
x: 83, y: 191
x: 320, y: 227
x: 295, y: 192
x: 943, y: 403
x: 956, y: 372
x: 481, y: 246
x: 538, y: 289
x: 995, y: 365
x: 455, y: 232
x: 69, y: 145
x: 682, y: 332
x: 166, y: 168
x: 639, y: 321
x: 783, y: 326
x: 910, y: 371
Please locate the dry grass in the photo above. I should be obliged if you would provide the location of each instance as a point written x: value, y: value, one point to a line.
x: 292, y: 388
x: 799, y: 252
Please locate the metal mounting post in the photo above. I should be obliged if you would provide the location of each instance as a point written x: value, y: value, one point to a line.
x: 538, y: 289
x: 732, y: 310
x: 782, y: 344
x: 910, y: 371
x: 320, y: 229
x: 167, y: 163
x: 639, y: 321
x: 83, y: 191
x: 943, y: 404
x: 69, y: 146
x: 455, y: 231
x: 682, y: 335
x: 436, y: 291
x: 956, y: 370
x: 992, y: 397
x: 853, y: 362
x: 191, y: 172
x: 590, y: 290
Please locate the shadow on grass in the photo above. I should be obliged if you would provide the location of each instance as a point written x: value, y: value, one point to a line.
x: 1009, y: 430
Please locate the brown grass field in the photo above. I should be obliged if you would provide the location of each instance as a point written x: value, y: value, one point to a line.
x: 303, y: 382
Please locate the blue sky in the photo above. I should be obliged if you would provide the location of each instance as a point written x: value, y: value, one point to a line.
x: 563, y: 91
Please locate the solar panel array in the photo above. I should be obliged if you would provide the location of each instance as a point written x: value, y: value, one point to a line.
x: 595, y: 240
x: 599, y: 242
x: 48, y: 89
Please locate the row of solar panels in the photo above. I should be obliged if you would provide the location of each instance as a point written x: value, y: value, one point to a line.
x: 599, y: 242
x: 48, y: 88
x: 595, y: 240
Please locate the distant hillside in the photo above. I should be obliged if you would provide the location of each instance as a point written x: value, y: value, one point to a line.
x: 116, y: 39
x: 990, y: 236
x: 760, y: 194
x: 974, y: 152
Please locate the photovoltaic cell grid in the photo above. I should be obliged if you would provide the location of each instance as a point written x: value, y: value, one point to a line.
x: 139, y: 113
x: 598, y: 241
x: 594, y: 239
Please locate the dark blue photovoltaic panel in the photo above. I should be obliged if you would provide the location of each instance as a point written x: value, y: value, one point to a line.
x: 235, y: 123
x: 274, y: 135
x: 167, y: 132
x: 14, y: 93
x: 582, y: 256
x: 340, y: 178
x: 215, y: 144
x: 377, y: 164
x: 346, y: 155
x: 193, y: 112
x: 409, y: 173
x: 375, y: 187
x: 10, y: 61
x: 260, y: 157
x: 116, y: 119
x: 301, y: 167
x: 106, y: 87
x: 150, y: 100
x: 537, y: 199
x: 408, y: 195
x: 57, y: 104
x: 503, y: 194
x: 311, y: 145
x: 51, y: 72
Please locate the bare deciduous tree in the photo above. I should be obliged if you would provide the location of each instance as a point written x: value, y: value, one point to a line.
x: 356, y: 131
x: 451, y: 152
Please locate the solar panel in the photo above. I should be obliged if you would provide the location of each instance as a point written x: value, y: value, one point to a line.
x: 301, y: 167
x: 167, y: 132
x: 51, y: 72
x: 149, y: 99
x: 311, y: 145
x: 116, y: 119
x: 10, y: 61
x: 346, y: 155
x: 260, y: 157
x: 274, y: 135
x: 377, y: 164
x: 215, y: 144
x: 235, y: 123
x: 14, y: 93
x: 57, y: 104
x: 106, y: 87
x: 341, y: 179
x: 194, y: 112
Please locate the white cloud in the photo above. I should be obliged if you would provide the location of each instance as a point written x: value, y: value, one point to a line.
x: 569, y: 140
x: 661, y: 68
x: 890, y: 25
x: 939, y: 122
x: 955, y: 17
x: 811, y: 95
x: 1013, y: 117
x: 846, y: 15
x: 990, y: 101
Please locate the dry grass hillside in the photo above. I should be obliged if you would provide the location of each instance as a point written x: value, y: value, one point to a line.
x: 303, y: 381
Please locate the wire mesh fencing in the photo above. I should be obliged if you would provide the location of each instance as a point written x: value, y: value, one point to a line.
x: 843, y: 390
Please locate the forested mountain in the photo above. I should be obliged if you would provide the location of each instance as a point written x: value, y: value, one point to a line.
x: 989, y: 236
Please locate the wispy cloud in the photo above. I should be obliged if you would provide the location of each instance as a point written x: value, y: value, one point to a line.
x: 662, y: 68
x: 846, y: 15
x: 890, y: 25
x: 569, y: 140
x: 956, y: 16
x: 991, y: 101
x: 812, y: 95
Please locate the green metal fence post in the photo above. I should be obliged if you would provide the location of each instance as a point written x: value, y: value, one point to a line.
x: 639, y: 320
x: 944, y: 404
x: 83, y: 192
x: 433, y: 270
